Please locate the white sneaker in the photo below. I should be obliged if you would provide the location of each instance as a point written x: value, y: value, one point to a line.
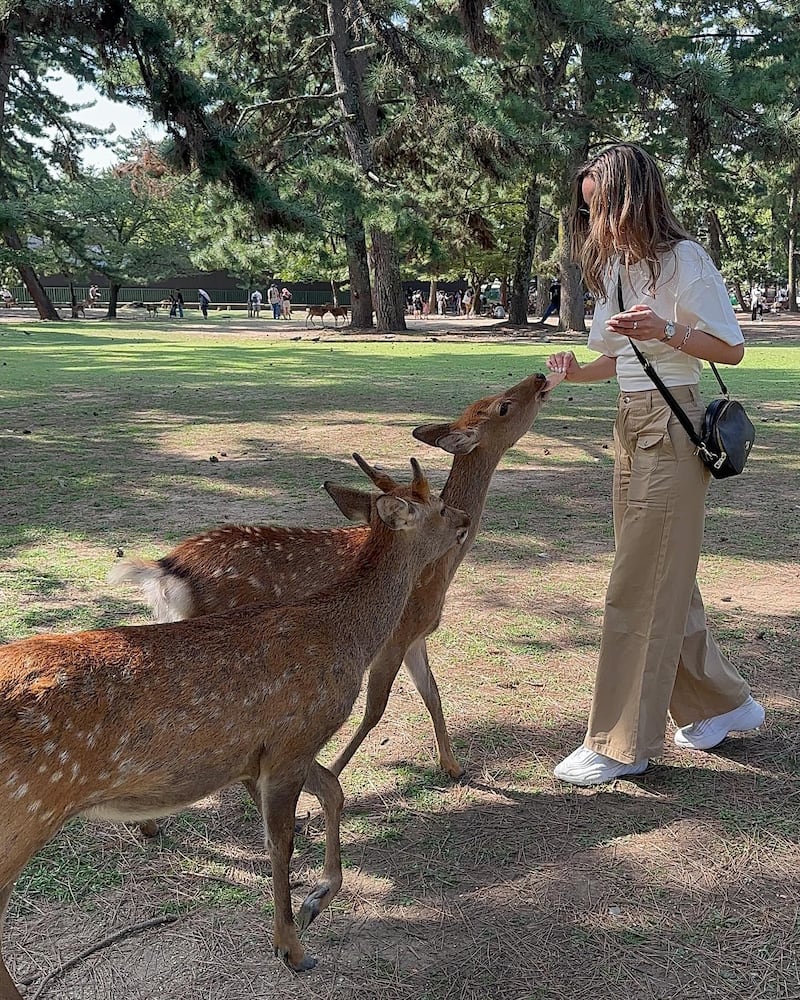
x: 711, y: 732
x: 585, y: 767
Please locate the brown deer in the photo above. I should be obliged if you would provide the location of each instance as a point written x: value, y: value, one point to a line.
x: 139, y: 721
x: 235, y: 565
x: 477, y: 439
x: 335, y: 311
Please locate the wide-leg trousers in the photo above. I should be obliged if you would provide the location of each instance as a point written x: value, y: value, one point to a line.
x: 657, y: 654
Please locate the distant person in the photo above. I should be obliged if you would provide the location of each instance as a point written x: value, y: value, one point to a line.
x: 94, y: 294
x: 204, y: 299
x: 416, y: 302
x: 756, y: 304
x: 179, y: 302
x: 554, y: 305
x: 498, y: 312
x: 466, y: 302
x: 441, y: 302
x: 286, y: 303
x: 274, y: 299
x: 255, y: 303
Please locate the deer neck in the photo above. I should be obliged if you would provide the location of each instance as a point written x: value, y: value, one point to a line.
x: 468, y: 483
x: 376, y: 594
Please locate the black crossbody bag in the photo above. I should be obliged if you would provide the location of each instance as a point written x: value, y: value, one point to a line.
x: 727, y: 434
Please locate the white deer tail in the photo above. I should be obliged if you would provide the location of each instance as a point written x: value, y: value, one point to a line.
x: 168, y: 595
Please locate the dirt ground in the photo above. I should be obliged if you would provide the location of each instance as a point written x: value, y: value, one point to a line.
x: 680, y: 885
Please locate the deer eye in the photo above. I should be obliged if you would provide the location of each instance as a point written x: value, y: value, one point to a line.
x: 505, y: 406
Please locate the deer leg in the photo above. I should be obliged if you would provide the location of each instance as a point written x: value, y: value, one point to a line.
x: 8, y: 991
x: 326, y: 787
x: 382, y: 673
x: 419, y: 669
x: 278, y: 803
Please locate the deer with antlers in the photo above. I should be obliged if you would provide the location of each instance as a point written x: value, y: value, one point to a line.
x: 139, y: 721
x: 234, y: 565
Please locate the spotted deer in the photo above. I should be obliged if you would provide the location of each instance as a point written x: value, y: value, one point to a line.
x: 234, y: 565
x: 138, y: 721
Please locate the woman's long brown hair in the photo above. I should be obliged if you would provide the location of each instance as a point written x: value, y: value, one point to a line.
x: 630, y: 216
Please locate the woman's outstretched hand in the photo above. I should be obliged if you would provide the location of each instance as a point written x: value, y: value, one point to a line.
x: 564, y: 363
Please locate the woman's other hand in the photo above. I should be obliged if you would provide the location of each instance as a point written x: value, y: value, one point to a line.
x: 639, y: 323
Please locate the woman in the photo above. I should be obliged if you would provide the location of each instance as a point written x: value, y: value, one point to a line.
x: 656, y: 652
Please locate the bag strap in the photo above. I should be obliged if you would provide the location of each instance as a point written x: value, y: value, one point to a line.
x: 674, y: 405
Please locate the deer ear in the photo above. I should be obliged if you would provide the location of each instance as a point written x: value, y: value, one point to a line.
x: 356, y: 505
x: 456, y: 440
x: 396, y: 513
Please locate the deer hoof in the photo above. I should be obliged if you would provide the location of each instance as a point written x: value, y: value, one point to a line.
x: 149, y: 828
x: 305, y: 964
x: 310, y: 908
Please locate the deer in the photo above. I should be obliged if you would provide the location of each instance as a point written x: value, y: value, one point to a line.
x: 138, y: 721
x: 234, y: 565
x: 335, y: 311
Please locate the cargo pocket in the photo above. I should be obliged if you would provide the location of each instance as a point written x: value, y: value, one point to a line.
x: 653, y: 450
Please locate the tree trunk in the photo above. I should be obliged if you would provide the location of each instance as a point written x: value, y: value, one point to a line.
x: 518, y: 303
x: 714, y: 238
x: 389, y: 306
x: 113, y: 296
x: 334, y: 293
x: 361, y: 308
x: 432, y: 298
x: 359, y: 126
x: 571, y: 312
x: 793, y: 246
x: 30, y: 279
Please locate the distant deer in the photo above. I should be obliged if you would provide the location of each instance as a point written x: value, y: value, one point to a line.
x: 139, y: 721
x: 235, y: 565
x: 335, y: 311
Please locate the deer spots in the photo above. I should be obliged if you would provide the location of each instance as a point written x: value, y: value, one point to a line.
x: 20, y: 792
x: 35, y: 806
x: 34, y: 719
x: 255, y: 582
x: 55, y: 776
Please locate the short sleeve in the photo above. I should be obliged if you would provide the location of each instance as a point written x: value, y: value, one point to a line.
x: 703, y: 300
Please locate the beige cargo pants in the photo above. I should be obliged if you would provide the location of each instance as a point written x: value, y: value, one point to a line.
x: 656, y: 652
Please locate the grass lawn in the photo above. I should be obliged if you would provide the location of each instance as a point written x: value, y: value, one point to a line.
x: 683, y: 883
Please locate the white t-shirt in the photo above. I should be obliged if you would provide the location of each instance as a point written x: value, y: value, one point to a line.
x: 690, y: 291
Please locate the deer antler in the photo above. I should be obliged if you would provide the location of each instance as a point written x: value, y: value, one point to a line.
x: 420, y: 483
x: 381, y: 479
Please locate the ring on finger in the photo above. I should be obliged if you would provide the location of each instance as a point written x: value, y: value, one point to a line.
x: 635, y: 324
